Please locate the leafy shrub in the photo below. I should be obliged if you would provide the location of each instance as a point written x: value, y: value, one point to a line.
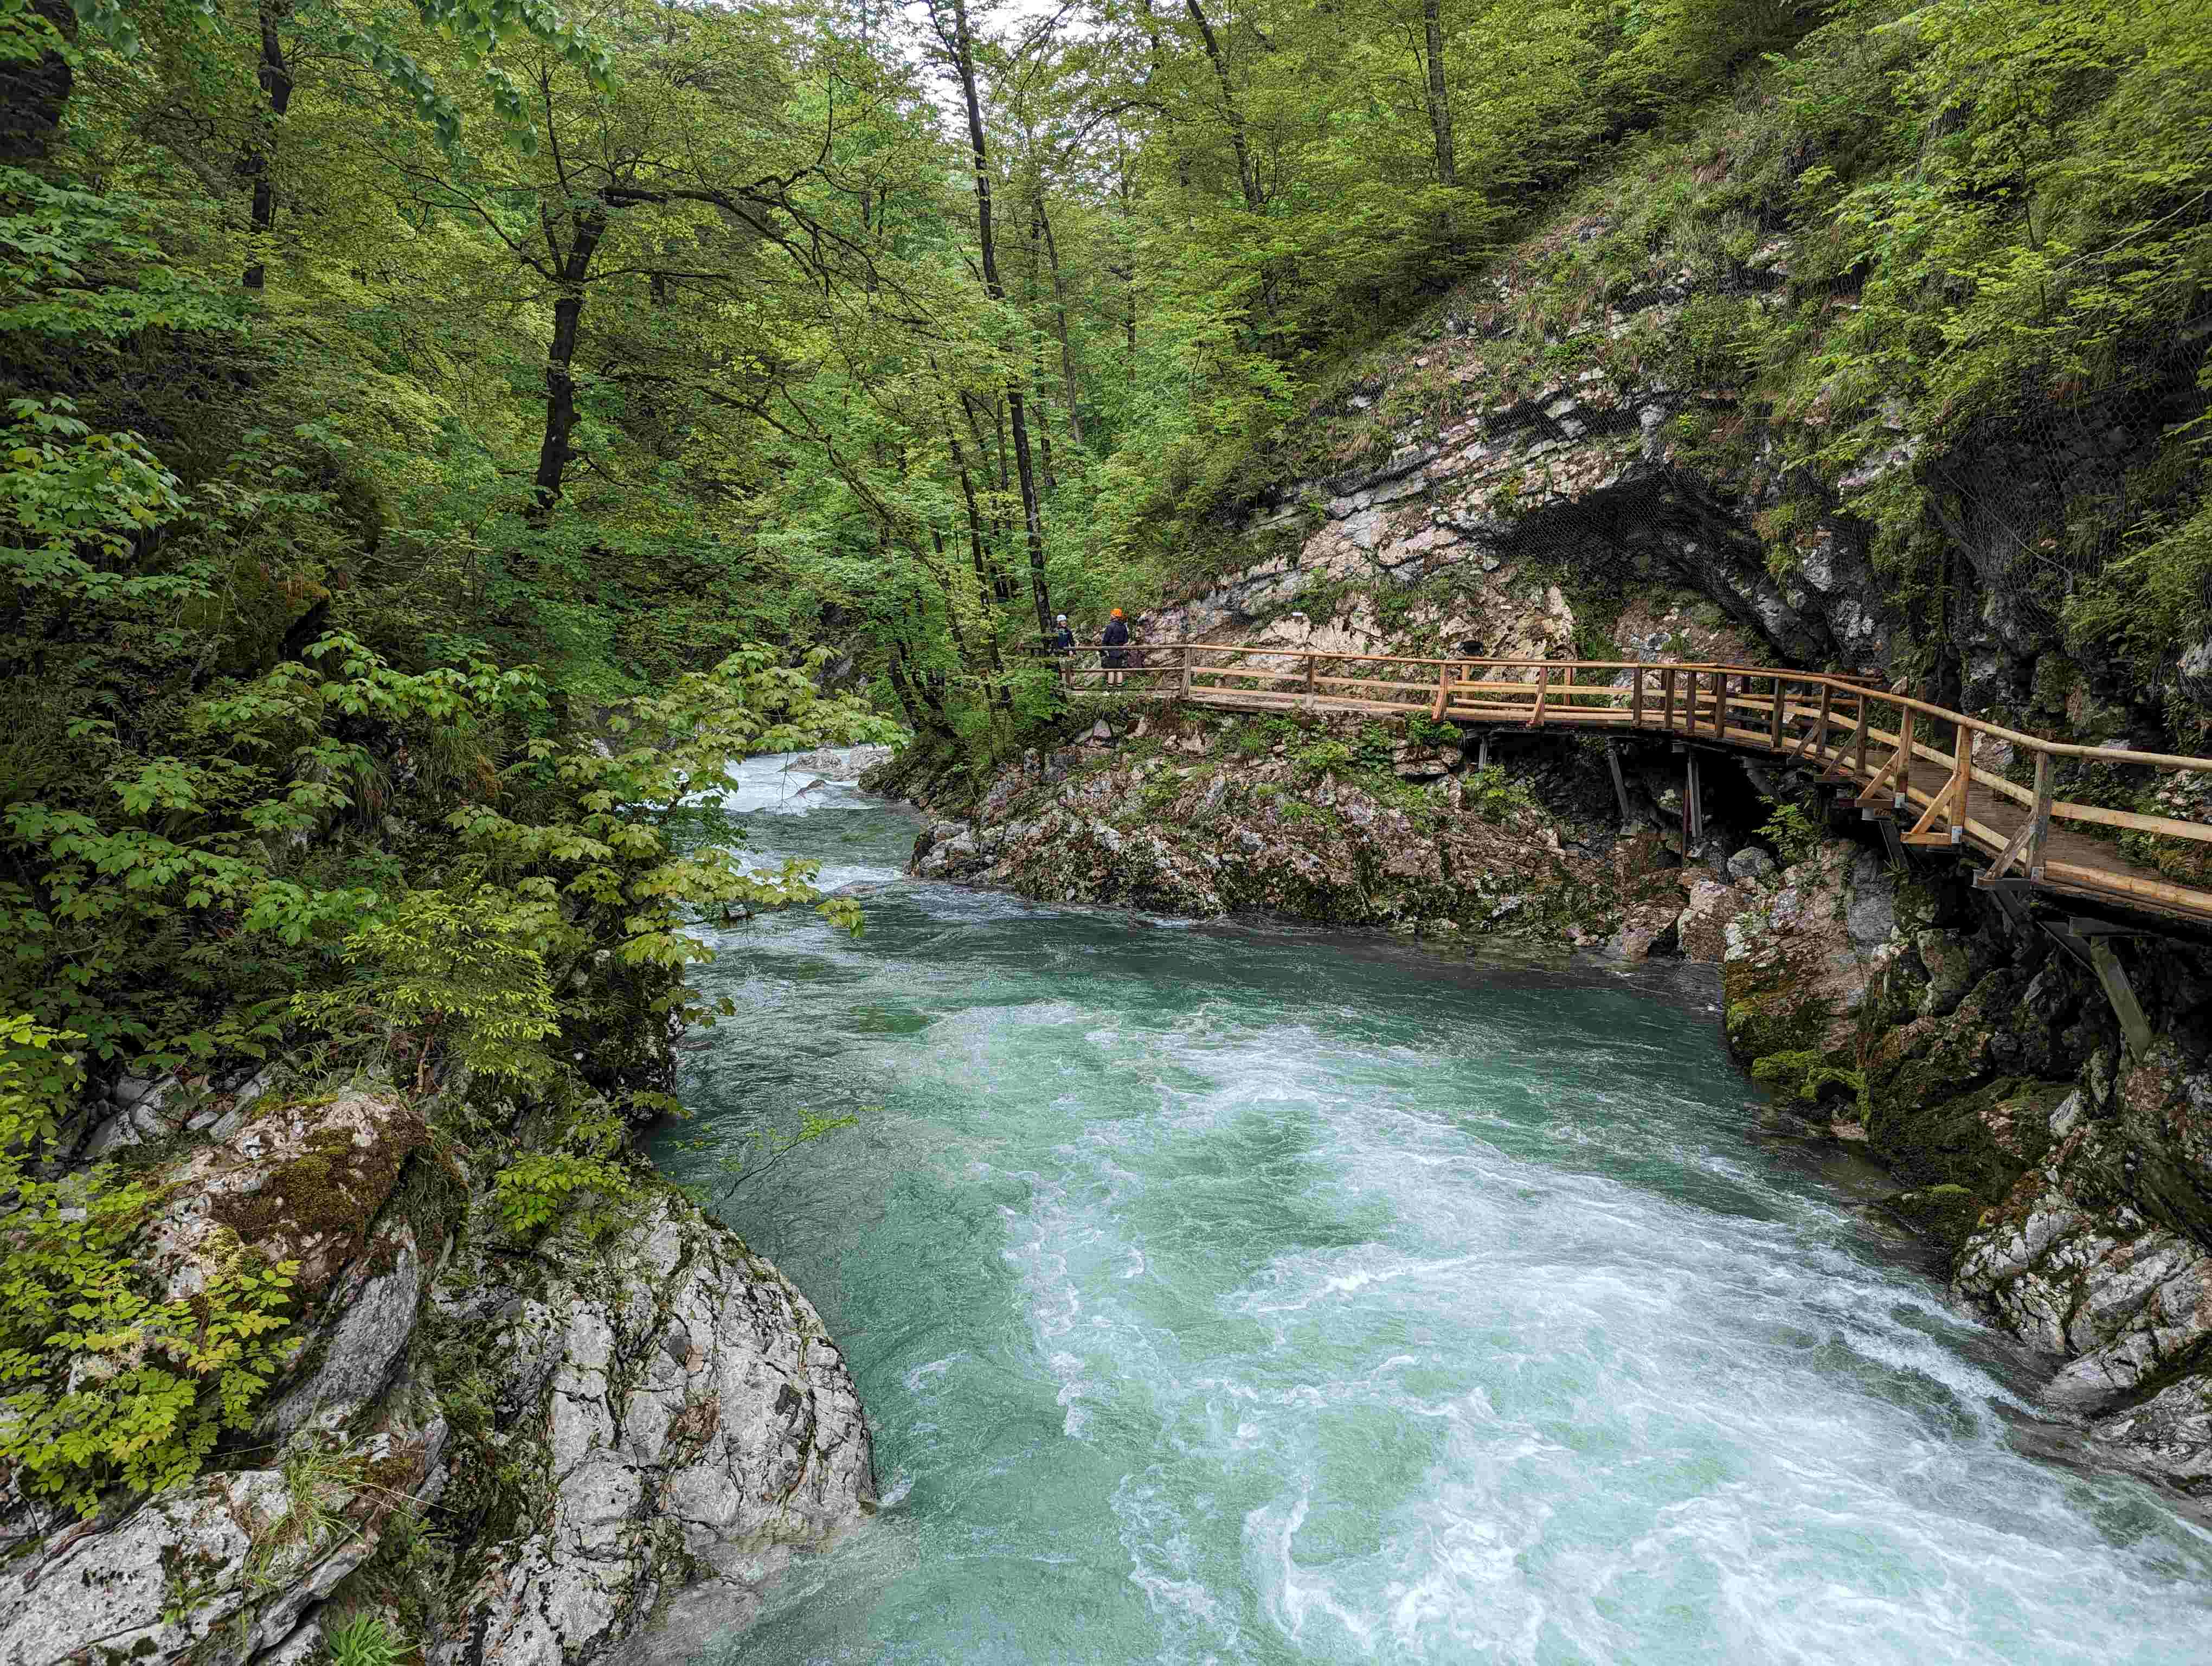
x: 1493, y: 794
x: 538, y: 1184
x: 1792, y: 832
x: 1321, y: 756
x: 108, y: 1381
x: 1375, y: 748
x: 456, y: 969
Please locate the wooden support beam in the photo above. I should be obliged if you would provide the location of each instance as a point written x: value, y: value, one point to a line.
x: 1872, y: 795
x: 1816, y: 739
x: 1619, y: 781
x: 1949, y: 805
x: 1693, y: 809
x: 1994, y: 874
x: 2114, y: 976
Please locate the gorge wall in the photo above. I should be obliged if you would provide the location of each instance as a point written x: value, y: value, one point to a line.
x: 1569, y: 459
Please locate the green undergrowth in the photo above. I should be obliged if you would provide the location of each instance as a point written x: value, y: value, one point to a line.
x: 106, y: 1381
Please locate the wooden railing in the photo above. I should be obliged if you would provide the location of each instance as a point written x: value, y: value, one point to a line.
x: 1853, y: 731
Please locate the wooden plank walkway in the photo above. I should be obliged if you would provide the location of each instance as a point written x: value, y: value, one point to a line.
x: 1949, y: 797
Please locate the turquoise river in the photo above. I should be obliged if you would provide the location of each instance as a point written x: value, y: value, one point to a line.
x: 1246, y: 1294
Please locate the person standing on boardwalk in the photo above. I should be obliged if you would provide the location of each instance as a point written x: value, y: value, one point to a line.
x: 1060, y: 645
x: 1115, y: 643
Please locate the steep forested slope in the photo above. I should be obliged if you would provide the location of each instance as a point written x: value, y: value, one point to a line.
x: 439, y: 436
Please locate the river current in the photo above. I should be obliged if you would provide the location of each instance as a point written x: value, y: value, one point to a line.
x: 1239, y: 1294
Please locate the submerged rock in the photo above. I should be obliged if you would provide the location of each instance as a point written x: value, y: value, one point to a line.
x: 838, y: 763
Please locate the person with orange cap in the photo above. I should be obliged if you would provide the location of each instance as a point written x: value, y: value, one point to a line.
x: 1115, y: 643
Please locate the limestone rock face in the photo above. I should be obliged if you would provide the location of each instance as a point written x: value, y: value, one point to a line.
x: 1798, y: 960
x: 223, y: 1572
x: 1201, y: 827
x: 670, y: 1414
x: 698, y: 1424
x: 2079, y: 1262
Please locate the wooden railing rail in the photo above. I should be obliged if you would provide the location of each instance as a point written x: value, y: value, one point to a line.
x: 1822, y: 720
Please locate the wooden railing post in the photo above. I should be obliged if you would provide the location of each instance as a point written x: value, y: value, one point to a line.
x: 2041, y: 822
x: 1543, y: 687
x: 1309, y: 673
x: 1962, y: 786
x: 1443, y: 691
x: 1774, y: 736
x: 1667, y: 688
x: 1189, y: 654
x: 1635, y: 701
x: 1720, y: 705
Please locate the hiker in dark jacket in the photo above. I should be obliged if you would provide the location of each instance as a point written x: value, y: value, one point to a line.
x: 1115, y: 641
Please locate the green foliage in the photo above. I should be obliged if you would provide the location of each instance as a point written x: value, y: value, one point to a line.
x: 363, y: 1639
x: 1495, y: 795
x: 536, y: 1185
x: 1792, y: 832
x: 456, y: 970
x: 105, y: 1380
x: 1318, y: 757
x: 740, y: 1157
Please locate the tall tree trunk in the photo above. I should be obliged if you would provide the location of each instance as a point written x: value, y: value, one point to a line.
x: 1248, y: 174
x: 590, y: 224
x: 1159, y: 63
x: 34, y: 88
x: 964, y: 57
x: 1060, y: 322
x: 990, y: 575
x: 1440, y: 122
x: 274, y: 76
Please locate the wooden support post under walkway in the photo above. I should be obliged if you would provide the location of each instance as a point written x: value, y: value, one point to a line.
x: 1620, y: 784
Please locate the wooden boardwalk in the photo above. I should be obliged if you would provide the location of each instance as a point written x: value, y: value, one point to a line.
x: 1938, y: 780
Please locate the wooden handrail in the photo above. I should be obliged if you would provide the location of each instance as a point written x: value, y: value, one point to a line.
x: 1850, y: 684
x: 1784, y: 719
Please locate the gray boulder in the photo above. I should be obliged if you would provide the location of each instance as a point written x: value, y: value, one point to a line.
x: 699, y: 1426
x: 839, y: 763
x: 1751, y: 864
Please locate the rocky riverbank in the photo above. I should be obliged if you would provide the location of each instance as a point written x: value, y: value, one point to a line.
x: 2068, y: 1182
x: 505, y: 1445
